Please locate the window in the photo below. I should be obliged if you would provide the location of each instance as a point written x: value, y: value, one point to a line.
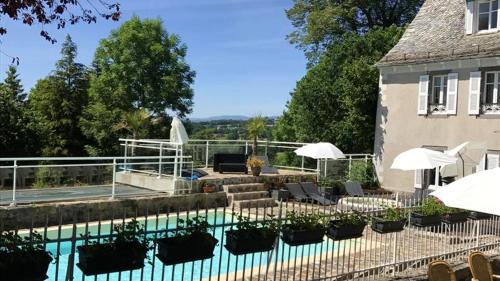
x: 490, y: 98
x: 439, y: 93
x: 487, y: 16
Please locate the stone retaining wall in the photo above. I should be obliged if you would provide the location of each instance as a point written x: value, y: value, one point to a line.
x: 51, y: 214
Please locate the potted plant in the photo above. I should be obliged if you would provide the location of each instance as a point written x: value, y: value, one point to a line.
x: 393, y: 220
x: 255, y: 165
x: 251, y: 236
x: 125, y: 250
x: 478, y: 216
x: 346, y: 226
x: 428, y: 213
x: 209, y: 188
x: 453, y: 215
x: 23, y: 258
x: 303, y: 229
x: 191, y: 242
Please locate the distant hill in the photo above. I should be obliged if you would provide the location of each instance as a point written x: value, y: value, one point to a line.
x: 221, y: 117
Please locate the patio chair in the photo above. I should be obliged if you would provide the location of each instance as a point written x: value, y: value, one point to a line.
x: 481, y: 268
x: 440, y: 271
x: 267, y: 168
x: 353, y: 188
x: 296, y: 190
x: 312, y: 191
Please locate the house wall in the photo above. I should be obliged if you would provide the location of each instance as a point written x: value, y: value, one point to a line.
x: 399, y: 127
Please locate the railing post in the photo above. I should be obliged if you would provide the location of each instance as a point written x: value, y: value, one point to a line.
x: 326, y: 166
x: 125, y: 157
x: 206, y: 155
x: 350, y: 164
x: 14, y: 175
x: 265, y: 150
x: 318, y: 169
x: 159, y: 160
x: 302, y: 164
x: 246, y: 147
x: 394, y: 253
x: 113, y: 186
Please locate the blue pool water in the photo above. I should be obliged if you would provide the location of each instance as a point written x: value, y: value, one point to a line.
x: 222, y: 263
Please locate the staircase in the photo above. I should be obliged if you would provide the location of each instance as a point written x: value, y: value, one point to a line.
x: 248, y: 195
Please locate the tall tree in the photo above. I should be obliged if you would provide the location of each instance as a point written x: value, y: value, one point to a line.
x: 337, y: 99
x: 140, y: 65
x: 319, y: 23
x: 57, y: 102
x: 12, y: 85
x: 255, y: 129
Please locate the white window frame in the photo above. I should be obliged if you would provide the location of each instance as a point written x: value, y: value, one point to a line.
x: 448, y: 92
x: 442, y: 94
x: 489, y: 30
x: 496, y: 97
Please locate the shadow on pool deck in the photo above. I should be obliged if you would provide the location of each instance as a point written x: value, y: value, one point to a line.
x: 26, y: 196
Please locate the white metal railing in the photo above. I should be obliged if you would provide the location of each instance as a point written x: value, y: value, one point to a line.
x: 114, y: 162
x: 373, y: 256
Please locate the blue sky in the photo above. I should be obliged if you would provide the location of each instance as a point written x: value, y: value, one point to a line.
x: 238, y: 49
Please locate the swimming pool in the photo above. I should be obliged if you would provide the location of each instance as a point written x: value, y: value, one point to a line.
x: 223, y: 263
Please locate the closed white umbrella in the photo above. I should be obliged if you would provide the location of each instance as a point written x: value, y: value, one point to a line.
x: 178, y: 133
x: 477, y: 192
x: 468, y: 153
x: 420, y: 159
x: 321, y: 150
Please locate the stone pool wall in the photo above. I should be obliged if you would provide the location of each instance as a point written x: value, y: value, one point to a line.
x: 51, y: 214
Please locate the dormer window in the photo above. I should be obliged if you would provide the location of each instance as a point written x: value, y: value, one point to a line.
x: 481, y: 16
x: 487, y: 17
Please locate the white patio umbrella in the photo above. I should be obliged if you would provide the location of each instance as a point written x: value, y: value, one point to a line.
x: 477, y: 192
x: 468, y: 153
x: 178, y: 133
x: 321, y: 150
x: 420, y: 159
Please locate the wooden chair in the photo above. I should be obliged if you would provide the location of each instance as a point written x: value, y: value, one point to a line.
x: 481, y: 268
x: 440, y: 271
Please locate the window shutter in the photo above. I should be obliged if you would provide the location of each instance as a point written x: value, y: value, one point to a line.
x: 492, y: 161
x: 451, y: 99
x: 423, y: 91
x: 469, y: 17
x: 474, y: 92
x: 480, y: 167
x: 418, y: 178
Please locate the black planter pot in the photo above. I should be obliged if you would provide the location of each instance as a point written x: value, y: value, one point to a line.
x: 381, y: 226
x: 244, y: 242
x: 302, y: 237
x: 181, y: 249
x: 421, y: 220
x: 337, y: 231
x: 24, y: 266
x: 478, y: 216
x: 107, y: 258
x: 455, y: 217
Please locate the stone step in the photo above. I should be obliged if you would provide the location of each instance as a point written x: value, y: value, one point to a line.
x: 232, y: 197
x: 246, y: 187
x: 256, y: 203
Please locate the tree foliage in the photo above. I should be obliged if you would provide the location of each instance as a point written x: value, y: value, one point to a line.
x: 140, y: 65
x: 256, y: 127
x: 56, y: 103
x: 58, y: 12
x: 320, y: 23
x: 337, y: 99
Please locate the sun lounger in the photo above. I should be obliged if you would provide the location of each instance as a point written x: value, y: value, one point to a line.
x: 353, y: 188
x: 313, y: 192
x: 296, y: 190
x: 267, y: 168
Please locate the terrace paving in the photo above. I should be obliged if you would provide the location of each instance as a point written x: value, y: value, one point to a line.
x: 26, y: 196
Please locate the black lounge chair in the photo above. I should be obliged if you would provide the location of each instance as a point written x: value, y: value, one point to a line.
x: 354, y: 189
x: 267, y: 168
x: 312, y: 191
x: 296, y: 190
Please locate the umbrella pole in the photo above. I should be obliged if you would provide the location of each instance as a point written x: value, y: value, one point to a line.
x: 463, y: 164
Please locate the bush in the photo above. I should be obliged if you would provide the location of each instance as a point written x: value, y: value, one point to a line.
x: 48, y: 177
x: 363, y: 172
